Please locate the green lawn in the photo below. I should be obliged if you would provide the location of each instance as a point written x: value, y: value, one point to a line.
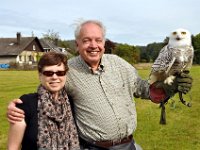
x: 12, y: 85
x: 182, y: 131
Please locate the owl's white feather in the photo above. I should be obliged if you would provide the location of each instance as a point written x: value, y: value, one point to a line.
x: 173, y: 58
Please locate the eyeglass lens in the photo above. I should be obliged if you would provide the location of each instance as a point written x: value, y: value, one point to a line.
x: 51, y: 73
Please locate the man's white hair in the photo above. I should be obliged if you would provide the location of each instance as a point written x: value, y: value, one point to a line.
x: 82, y: 22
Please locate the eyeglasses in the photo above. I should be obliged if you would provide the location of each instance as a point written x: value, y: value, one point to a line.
x: 51, y: 73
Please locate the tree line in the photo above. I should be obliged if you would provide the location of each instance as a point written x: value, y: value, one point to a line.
x: 132, y: 54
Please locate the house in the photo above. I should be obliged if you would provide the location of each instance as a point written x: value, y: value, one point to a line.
x: 22, y: 50
x: 50, y: 46
x: 25, y: 50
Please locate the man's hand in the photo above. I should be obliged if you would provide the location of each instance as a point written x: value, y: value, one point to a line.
x: 13, y: 113
x: 184, y: 81
x: 159, y: 90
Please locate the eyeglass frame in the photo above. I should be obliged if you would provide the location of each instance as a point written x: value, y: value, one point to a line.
x: 51, y: 73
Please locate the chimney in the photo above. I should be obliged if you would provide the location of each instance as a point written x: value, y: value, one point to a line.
x: 18, y: 37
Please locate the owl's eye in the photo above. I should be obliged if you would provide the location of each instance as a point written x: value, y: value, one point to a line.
x: 184, y: 33
x: 174, y: 33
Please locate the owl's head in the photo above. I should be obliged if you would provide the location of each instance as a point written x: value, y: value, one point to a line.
x: 180, y: 38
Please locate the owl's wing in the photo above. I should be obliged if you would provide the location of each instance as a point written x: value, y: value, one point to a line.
x: 190, y: 54
x: 170, y: 65
x: 164, y: 60
x: 162, y: 65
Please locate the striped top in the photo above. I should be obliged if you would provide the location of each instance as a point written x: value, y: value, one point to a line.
x: 104, y: 100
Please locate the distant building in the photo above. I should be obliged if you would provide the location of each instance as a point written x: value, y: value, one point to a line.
x: 24, y: 50
x: 50, y: 46
x: 20, y: 49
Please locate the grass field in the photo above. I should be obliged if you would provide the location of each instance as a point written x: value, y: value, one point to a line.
x: 182, y: 131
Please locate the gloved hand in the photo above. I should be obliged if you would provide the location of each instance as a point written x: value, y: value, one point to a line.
x: 182, y: 83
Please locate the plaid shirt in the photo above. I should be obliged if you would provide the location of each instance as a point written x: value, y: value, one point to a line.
x: 104, y: 104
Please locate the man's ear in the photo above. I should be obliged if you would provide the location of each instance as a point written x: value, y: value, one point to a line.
x: 76, y: 44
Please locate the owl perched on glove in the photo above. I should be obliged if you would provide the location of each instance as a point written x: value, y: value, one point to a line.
x: 174, y: 58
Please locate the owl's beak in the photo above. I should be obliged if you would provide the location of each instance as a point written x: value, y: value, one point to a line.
x: 178, y: 38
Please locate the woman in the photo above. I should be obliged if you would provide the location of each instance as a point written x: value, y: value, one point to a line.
x: 48, y: 122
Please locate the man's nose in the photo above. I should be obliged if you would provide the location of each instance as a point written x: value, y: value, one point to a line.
x: 93, y: 44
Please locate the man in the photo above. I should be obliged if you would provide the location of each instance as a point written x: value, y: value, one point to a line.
x: 102, y: 88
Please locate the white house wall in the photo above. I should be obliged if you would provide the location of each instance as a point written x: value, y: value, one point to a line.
x: 25, y: 57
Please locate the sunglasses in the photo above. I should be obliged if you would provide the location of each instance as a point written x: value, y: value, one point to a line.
x: 51, y: 73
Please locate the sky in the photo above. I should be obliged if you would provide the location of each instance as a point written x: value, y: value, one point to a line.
x: 134, y: 22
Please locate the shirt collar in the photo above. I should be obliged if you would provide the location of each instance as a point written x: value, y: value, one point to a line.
x: 101, y: 67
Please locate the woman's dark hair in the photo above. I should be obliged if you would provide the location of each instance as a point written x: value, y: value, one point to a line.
x: 52, y: 58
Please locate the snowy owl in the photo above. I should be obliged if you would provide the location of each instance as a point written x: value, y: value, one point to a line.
x: 175, y: 57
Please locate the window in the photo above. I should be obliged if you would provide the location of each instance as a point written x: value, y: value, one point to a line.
x: 20, y: 58
x: 34, y: 48
x: 30, y: 58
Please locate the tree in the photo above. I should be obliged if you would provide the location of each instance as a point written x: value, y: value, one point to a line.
x: 109, y: 46
x: 51, y: 36
x: 153, y: 50
x: 196, y: 45
x: 129, y: 53
x: 144, y: 57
